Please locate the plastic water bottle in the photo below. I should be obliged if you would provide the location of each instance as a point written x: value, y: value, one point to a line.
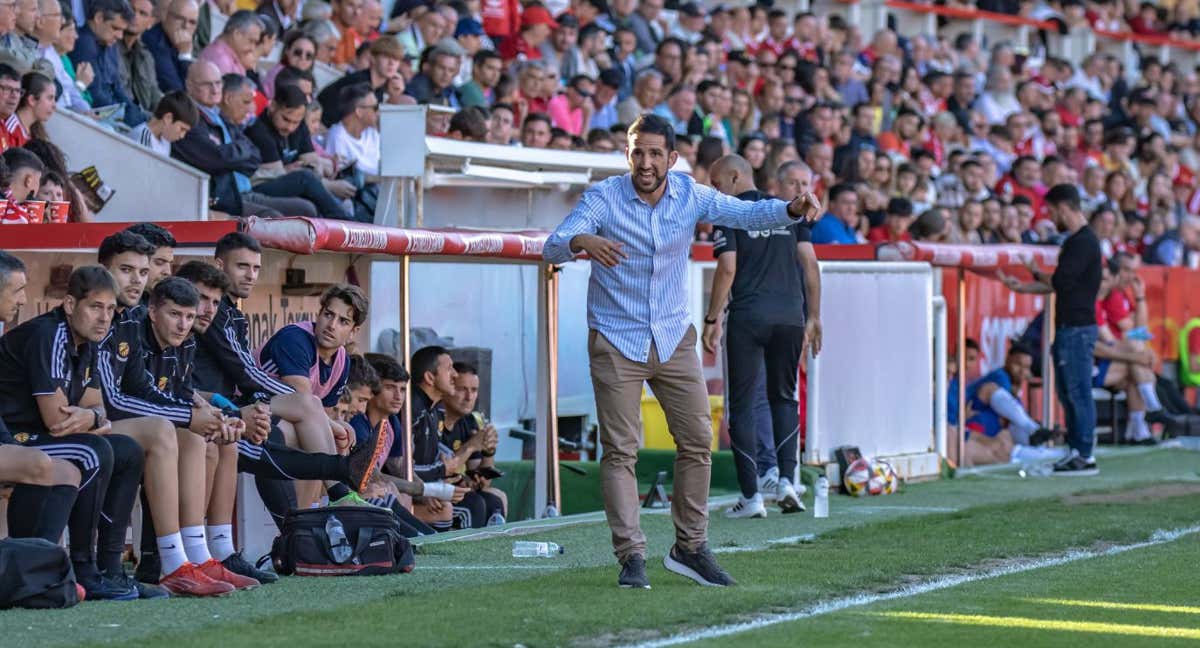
x: 496, y: 520
x: 527, y: 549
x: 821, y: 498
x: 338, y: 543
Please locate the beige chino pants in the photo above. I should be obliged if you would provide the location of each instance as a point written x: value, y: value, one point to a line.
x: 679, y: 386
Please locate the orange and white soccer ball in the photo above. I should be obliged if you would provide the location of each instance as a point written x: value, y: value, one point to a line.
x: 883, y: 479
x: 857, y: 478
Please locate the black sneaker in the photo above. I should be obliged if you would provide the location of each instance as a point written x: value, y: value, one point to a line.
x: 1041, y: 437
x: 101, y: 588
x: 149, y: 569
x: 633, y: 573
x: 700, y: 566
x: 364, y: 459
x: 1074, y: 465
x: 238, y: 565
x: 144, y: 590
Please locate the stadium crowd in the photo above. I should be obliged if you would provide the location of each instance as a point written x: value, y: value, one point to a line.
x: 144, y: 377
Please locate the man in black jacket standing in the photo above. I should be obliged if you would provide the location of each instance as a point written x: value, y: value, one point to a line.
x: 764, y: 276
x: 1075, y: 284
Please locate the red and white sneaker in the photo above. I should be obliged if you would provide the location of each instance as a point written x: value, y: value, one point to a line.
x: 188, y: 580
x: 217, y: 572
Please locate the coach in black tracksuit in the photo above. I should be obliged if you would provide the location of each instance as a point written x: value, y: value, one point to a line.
x: 765, y: 323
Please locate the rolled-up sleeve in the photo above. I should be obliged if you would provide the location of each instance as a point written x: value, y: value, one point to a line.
x: 721, y: 209
x: 584, y: 219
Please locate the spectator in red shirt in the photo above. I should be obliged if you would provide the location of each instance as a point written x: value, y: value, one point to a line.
x: 536, y: 25
x: 906, y: 128
x: 1025, y: 180
x: 895, y: 226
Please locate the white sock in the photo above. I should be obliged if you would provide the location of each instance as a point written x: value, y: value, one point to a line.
x: 1020, y: 426
x: 195, y: 545
x: 1146, y: 389
x: 220, y: 541
x: 1136, y: 429
x: 171, y: 553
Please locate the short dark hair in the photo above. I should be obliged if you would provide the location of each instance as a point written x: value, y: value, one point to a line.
x: 156, y: 234
x: 289, y: 97
x: 88, y: 279
x: 425, y: 360
x: 179, y: 105
x: 9, y: 72
x: 122, y: 242
x: 236, y: 241
x: 351, y: 95
x: 16, y: 159
x: 651, y: 124
x: 290, y: 76
x: 465, y: 368
x: 203, y: 273
x: 353, y: 297
x: 109, y: 9
x: 176, y: 289
x: 972, y: 343
x: 484, y: 55
x: 1022, y: 347
x: 839, y: 189
x: 8, y: 265
x: 362, y: 374
x: 536, y: 116
x: 1064, y: 195
x: 387, y: 367
x: 472, y: 122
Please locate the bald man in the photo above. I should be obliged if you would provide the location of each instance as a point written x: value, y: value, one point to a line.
x: 218, y: 148
x: 761, y: 282
x: 170, y: 41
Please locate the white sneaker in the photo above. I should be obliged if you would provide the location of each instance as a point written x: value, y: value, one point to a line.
x: 787, y: 498
x: 747, y: 508
x: 768, y: 484
x: 1035, y: 454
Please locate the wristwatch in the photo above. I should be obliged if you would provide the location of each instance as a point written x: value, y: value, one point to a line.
x: 710, y: 321
x: 98, y: 419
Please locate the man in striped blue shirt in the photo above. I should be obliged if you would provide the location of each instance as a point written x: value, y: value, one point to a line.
x: 638, y: 228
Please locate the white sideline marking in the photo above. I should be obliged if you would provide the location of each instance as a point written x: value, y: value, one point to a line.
x: 807, y: 537
x: 489, y: 567
x: 944, y: 582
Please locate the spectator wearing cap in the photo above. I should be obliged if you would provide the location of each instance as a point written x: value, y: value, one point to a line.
x: 604, y: 115
x: 386, y: 58
x: 138, y: 73
x: 840, y: 224
x: 480, y: 90
x: 170, y: 43
x: 647, y: 93
x: 469, y: 36
x: 434, y: 84
x: 899, y: 216
x: 96, y: 46
x: 236, y: 43
x: 572, y: 110
x: 556, y: 50
x: 689, y: 23
x: 536, y: 25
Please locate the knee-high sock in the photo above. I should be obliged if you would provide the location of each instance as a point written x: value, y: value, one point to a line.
x: 1149, y: 395
x: 1019, y: 423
